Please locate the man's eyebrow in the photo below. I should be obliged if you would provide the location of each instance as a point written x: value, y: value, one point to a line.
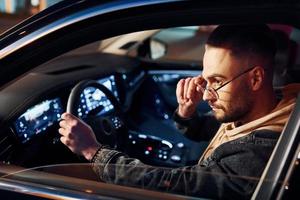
x: 215, y: 75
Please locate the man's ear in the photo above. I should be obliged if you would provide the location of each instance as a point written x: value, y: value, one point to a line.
x: 257, y: 78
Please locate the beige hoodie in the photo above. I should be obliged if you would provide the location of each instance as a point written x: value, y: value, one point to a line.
x: 274, y: 121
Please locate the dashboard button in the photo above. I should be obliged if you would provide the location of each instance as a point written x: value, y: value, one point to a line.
x: 180, y: 145
x: 175, y: 158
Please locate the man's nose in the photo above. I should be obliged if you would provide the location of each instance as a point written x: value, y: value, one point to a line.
x: 207, y: 96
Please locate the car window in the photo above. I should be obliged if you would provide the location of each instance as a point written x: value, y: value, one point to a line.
x: 184, y: 43
x: 14, y: 11
x: 80, y: 178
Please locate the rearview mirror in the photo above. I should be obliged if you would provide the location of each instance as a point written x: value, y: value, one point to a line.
x: 157, y: 49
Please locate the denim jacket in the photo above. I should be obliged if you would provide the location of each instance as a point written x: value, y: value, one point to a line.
x: 231, y: 172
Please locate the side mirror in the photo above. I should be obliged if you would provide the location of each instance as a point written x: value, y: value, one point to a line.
x: 158, y: 49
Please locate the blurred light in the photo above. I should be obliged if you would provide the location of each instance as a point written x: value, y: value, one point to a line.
x: 180, y: 145
x: 88, y: 191
x: 175, y: 158
x: 143, y: 136
x: 169, y: 144
x: 35, y: 2
x: 286, y: 187
x: 22, y: 33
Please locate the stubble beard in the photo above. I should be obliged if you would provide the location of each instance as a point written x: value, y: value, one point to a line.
x: 236, y: 109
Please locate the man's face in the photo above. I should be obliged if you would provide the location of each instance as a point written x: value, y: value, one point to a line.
x: 235, y: 100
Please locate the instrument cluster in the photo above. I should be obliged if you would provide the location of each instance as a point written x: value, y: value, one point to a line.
x: 38, y: 118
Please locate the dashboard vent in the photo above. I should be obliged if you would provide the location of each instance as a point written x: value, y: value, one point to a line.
x: 72, y: 69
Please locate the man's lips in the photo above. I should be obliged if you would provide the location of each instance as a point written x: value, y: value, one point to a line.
x: 214, y: 107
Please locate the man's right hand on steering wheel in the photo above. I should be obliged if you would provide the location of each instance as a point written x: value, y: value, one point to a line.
x: 78, y: 136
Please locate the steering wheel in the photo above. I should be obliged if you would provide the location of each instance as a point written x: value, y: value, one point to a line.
x: 107, y: 128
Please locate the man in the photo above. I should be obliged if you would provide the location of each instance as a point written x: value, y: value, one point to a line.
x: 237, y: 83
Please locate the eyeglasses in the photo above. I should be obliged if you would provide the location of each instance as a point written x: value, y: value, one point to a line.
x: 213, y: 91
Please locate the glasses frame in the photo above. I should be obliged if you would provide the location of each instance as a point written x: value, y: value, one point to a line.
x: 213, y: 91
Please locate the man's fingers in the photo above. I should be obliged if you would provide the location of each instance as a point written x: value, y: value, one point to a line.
x: 64, y: 140
x: 64, y: 124
x: 189, y: 90
x: 68, y: 117
x: 192, y: 89
x: 67, y: 141
x: 179, y: 90
x: 66, y: 133
x: 199, y: 80
x: 200, y: 83
x: 62, y: 131
x: 65, y: 116
x: 71, y: 120
x: 186, y: 87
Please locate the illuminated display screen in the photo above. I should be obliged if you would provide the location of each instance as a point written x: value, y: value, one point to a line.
x: 38, y: 118
x: 92, y: 98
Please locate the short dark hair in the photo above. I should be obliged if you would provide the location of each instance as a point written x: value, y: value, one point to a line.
x: 245, y: 40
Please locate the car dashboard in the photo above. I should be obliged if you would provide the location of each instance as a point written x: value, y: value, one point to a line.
x: 147, y: 97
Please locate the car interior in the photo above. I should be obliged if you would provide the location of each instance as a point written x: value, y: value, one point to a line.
x: 125, y: 90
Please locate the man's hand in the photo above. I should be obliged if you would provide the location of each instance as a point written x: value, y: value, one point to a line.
x: 78, y: 136
x: 189, y: 95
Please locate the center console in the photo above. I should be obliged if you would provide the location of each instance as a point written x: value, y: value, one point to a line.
x: 154, y: 150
